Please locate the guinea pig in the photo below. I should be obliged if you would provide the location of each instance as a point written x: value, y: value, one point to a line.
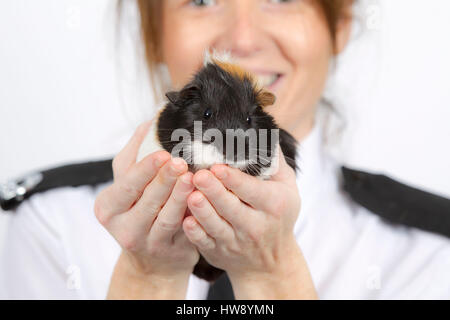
x: 219, y: 118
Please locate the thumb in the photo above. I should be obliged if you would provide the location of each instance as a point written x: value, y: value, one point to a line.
x: 283, y: 172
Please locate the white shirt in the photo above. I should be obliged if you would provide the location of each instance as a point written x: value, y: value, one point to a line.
x: 56, y: 249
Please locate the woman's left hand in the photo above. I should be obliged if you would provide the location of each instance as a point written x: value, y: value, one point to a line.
x: 244, y: 225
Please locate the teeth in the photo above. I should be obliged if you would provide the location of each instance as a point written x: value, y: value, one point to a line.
x: 266, y: 80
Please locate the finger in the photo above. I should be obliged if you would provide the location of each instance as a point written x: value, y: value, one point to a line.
x: 170, y: 218
x: 127, y: 156
x: 213, y: 224
x: 257, y: 193
x: 284, y: 172
x: 227, y: 204
x: 197, y: 235
x: 155, y: 195
x: 122, y: 194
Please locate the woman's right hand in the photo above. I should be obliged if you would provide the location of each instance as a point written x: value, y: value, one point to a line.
x: 144, y: 210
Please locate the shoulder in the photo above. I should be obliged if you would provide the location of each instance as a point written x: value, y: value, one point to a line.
x: 44, y: 243
x: 57, y: 233
x: 396, y: 204
x: 54, y: 217
x: 399, y: 243
x: 56, y: 203
x: 56, y: 196
x: 13, y: 192
x: 53, y: 206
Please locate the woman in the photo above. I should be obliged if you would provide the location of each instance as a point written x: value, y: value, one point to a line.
x: 252, y: 229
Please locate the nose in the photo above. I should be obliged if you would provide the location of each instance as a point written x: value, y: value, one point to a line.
x: 242, y: 36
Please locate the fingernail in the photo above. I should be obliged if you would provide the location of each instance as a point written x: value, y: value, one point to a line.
x: 178, y: 161
x: 201, y: 180
x: 192, y: 223
x: 177, y: 164
x: 220, y: 173
x: 186, y: 179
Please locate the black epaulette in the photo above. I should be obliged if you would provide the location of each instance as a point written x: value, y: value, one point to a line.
x: 15, y: 191
x: 398, y: 203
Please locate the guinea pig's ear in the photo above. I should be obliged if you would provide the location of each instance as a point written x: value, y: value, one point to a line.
x: 189, y: 92
x: 266, y: 98
x: 172, y: 96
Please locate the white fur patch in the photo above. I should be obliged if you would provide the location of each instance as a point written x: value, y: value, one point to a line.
x: 205, y: 156
x: 221, y: 56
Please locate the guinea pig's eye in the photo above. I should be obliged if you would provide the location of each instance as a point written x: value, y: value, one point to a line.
x: 249, y: 120
x: 207, y: 114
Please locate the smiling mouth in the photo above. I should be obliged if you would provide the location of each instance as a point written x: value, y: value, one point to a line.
x: 268, y: 80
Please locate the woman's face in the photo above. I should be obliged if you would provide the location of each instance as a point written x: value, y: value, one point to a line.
x: 287, y: 44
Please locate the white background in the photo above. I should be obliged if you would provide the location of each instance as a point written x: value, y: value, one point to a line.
x: 65, y: 95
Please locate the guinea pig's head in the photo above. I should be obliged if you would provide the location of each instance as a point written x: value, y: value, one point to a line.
x: 218, y: 118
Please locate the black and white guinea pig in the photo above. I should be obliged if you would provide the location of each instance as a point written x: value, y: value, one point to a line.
x: 221, y: 96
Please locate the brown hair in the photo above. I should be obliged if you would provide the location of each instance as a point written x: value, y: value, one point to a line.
x: 150, y: 13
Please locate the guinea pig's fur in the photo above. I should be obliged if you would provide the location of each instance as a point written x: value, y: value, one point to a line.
x: 223, y: 96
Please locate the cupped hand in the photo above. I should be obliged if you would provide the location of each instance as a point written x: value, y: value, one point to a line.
x: 144, y: 209
x: 244, y: 225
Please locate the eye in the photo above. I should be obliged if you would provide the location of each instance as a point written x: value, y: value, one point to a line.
x: 281, y: 1
x: 207, y: 114
x: 249, y: 120
x: 203, y: 3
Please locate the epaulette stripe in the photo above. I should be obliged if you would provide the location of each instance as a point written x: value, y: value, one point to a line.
x: 13, y: 192
x: 397, y: 202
